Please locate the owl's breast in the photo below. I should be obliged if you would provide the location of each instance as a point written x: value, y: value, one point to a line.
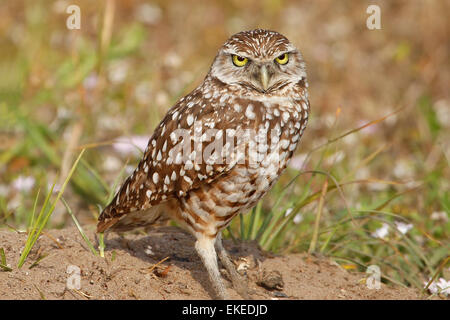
x: 274, y: 136
x: 258, y: 140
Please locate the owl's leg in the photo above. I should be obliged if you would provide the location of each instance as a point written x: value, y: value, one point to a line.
x: 239, y: 283
x: 205, y: 249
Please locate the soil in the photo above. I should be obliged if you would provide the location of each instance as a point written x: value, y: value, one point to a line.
x: 128, y: 270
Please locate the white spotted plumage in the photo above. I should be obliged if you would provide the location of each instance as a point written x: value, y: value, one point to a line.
x: 250, y: 120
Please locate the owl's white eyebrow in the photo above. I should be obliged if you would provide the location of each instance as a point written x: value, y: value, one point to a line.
x: 287, y: 52
x: 233, y: 53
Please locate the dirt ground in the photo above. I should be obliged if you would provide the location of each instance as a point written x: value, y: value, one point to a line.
x: 128, y: 270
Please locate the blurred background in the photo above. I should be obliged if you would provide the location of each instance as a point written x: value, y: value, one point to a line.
x: 379, y: 127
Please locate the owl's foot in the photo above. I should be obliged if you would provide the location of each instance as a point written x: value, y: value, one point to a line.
x: 206, y: 251
x: 239, y: 283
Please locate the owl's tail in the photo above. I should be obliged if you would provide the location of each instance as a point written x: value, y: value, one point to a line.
x: 131, y: 220
x: 107, y: 218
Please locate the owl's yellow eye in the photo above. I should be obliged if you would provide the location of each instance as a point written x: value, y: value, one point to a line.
x: 239, y: 61
x: 283, y: 59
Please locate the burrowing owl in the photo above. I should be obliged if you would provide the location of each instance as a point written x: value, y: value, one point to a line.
x: 219, y: 149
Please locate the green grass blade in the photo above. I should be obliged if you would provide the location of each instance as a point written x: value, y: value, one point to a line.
x: 60, y: 193
x: 39, y: 259
x: 2, y: 256
x: 45, y: 214
x: 34, y: 207
x: 3, y: 263
x: 29, y: 243
x: 101, y: 244
x: 313, y: 244
x: 80, y: 229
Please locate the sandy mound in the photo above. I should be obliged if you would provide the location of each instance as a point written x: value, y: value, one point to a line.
x: 125, y: 272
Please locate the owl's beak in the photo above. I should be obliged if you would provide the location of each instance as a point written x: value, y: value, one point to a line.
x: 264, y: 76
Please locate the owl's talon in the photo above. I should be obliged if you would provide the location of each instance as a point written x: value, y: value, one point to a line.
x: 239, y: 282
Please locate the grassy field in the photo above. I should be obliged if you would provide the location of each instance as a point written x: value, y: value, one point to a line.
x: 370, y: 182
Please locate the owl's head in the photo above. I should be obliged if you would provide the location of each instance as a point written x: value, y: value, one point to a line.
x: 259, y: 60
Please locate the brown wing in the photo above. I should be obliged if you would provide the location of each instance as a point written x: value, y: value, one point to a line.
x: 194, y: 144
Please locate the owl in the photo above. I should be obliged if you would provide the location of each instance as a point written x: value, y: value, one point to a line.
x: 219, y: 149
